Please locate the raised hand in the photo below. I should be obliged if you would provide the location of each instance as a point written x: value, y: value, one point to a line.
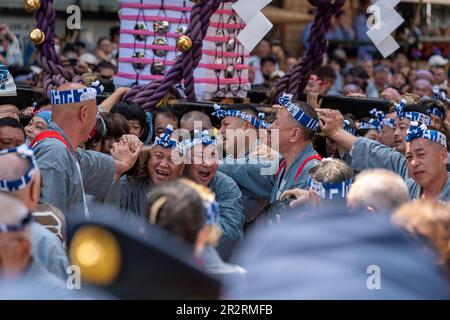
x: 301, y: 197
x: 312, y: 98
x: 124, y: 156
x: 330, y: 121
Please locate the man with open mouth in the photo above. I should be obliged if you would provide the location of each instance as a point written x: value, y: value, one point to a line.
x: 202, y: 167
x: 163, y: 163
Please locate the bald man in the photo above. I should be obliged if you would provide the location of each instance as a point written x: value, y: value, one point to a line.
x: 17, y: 264
x: 9, y: 110
x: 20, y: 179
x: 189, y: 119
x: 377, y: 190
x: 68, y: 172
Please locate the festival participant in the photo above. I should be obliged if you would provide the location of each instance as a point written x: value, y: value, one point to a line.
x: 201, y: 166
x: 329, y: 182
x: 189, y: 120
x: 240, y: 141
x: 377, y: 190
x: 163, y: 163
x: 190, y: 213
x: 109, y: 129
x: 69, y: 173
x: 424, y: 166
x: 17, y: 263
x: 139, y: 122
x: 38, y: 124
x: 12, y: 133
x: 295, y: 124
x: 20, y: 179
x: 162, y: 117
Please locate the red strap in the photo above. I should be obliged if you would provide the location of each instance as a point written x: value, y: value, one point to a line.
x: 282, y: 165
x: 52, y: 135
x: 299, y: 172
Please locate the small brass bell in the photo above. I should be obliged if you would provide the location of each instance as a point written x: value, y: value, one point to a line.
x: 141, y: 27
x: 160, y: 42
x: 136, y: 65
x: 161, y: 27
x: 158, y: 68
x: 229, y: 72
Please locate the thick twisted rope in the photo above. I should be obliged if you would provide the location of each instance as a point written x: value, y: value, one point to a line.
x: 295, y: 81
x: 150, y: 95
x: 54, y: 73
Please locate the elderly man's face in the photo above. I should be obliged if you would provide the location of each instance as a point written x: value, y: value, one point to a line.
x: 426, y: 161
x: 284, y: 124
x: 162, y: 167
x: 11, y: 137
x: 203, y: 166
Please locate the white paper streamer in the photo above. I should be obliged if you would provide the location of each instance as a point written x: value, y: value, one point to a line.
x: 387, y: 21
x: 257, y: 24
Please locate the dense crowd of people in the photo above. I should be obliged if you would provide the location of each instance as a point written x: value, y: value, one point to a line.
x: 252, y: 196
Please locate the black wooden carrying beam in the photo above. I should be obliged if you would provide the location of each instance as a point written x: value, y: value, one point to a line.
x: 357, y: 106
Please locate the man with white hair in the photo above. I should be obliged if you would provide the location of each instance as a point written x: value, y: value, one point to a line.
x: 377, y: 190
x: 20, y: 179
x: 17, y: 264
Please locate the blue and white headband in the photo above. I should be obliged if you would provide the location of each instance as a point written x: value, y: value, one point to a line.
x: 372, y: 124
x: 200, y: 137
x: 76, y: 95
x: 379, y: 115
x: 286, y: 101
x: 437, y: 112
x: 23, y: 151
x: 388, y: 122
x: 165, y: 140
x: 417, y: 130
x: 257, y: 123
x: 411, y: 115
x: 4, y: 228
x: 212, y: 211
x: 330, y: 191
x: 439, y: 95
x: 348, y: 128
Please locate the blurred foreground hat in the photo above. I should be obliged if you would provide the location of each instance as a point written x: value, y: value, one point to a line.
x: 130, y: 259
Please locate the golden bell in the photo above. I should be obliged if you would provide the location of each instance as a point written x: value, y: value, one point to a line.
x: 184, y: 43
x: 37, y: 36
x: 32, y: 5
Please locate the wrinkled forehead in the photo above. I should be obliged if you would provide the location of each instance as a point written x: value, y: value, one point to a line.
x: 420, y: 144
x: 167, y: 152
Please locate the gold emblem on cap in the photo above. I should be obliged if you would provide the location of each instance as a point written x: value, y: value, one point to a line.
x: 96, y: 251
